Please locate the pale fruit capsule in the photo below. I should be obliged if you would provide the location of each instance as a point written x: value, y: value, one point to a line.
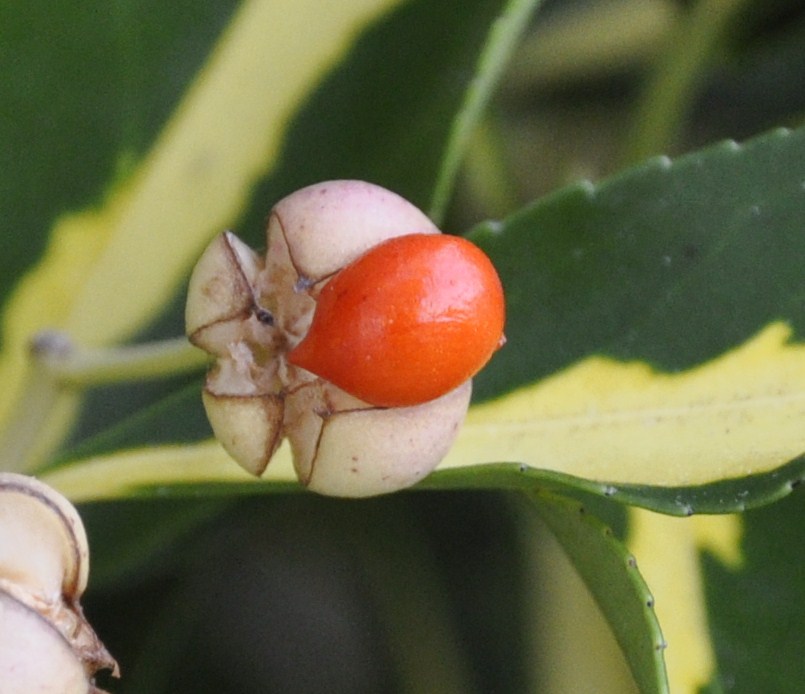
x: 251, y: 312
x: 46, y: 645
x: 34, y: 656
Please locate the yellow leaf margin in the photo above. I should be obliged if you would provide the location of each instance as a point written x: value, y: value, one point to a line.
x: 742, y: 413
x: 739, y: 414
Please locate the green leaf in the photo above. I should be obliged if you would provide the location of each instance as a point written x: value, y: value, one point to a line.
x: 195, y: 179
x: 85, y: 90
x: 611, y: 575
x: 656, y: 318
x: 671, y: 262
x: 367, y: 119
x: 84, y: 93
x: 757, y: 609
x: 714, y: 437
x: 205, y: 469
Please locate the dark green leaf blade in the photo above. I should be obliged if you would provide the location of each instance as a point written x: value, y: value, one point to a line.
x: 85, y: 90
x: 670, y: 262
x: 757, y: 611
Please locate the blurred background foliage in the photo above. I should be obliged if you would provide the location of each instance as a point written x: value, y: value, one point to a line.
x: 424, y: 592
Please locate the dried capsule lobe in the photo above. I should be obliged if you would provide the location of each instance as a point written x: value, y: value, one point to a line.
x: 376, y: 450
x: 407, y: 322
